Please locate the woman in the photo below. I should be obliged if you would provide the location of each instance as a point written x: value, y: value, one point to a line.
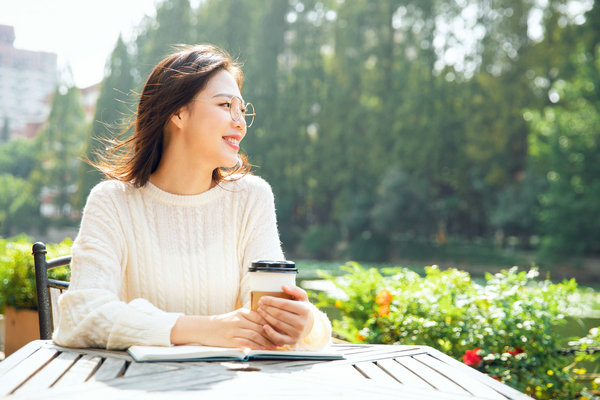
x: 164, y: 246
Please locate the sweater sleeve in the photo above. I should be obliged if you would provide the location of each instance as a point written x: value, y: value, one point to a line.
x: 261, y: 241
x: 91, y: 311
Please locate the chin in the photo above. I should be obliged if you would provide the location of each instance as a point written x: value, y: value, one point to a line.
x: 233, y: 163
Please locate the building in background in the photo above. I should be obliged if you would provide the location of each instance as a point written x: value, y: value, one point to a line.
x: 27, y: 81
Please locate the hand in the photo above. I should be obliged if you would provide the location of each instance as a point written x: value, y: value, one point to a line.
x: 241, y: 328
x: 288, y: 321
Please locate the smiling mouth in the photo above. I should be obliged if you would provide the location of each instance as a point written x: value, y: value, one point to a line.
x: 233, y: 142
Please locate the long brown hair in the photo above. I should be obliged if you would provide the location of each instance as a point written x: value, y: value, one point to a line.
x: 173, y: 83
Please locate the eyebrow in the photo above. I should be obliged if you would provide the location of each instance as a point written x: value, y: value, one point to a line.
x: 225, y: 95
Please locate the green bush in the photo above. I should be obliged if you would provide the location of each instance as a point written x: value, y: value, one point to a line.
x: 504, y: 328
x: 17, y: 274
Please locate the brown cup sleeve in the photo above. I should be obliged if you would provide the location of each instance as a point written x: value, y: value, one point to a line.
x: 256, y: 295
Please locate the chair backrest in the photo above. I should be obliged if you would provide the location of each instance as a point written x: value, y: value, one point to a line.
x: 47, y: 289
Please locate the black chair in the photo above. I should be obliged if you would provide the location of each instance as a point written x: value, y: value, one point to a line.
x: 44, y: 285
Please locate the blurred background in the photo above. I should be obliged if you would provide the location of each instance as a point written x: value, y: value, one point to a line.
x: 410, y: 132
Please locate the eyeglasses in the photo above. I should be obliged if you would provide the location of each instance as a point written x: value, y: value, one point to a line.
x: 237, y: 110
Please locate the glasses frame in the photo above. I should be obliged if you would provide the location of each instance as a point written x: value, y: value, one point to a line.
x: 243, y: 111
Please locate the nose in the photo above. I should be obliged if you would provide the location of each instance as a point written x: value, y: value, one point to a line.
x: 240, y: 124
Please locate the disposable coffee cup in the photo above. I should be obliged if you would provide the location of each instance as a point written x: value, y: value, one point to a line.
x: 267, y: 277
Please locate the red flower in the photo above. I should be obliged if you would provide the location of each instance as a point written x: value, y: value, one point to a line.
x: 472, y: 357
x: 384, y: 297
x: 515, y: 351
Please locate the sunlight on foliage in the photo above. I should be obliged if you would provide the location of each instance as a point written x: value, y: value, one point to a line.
x: 17, y: 274
x: 504, y: 328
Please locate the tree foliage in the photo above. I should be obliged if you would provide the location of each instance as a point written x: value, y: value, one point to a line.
x: 59, y: 148
x: 565, y: 144
x: 398, y: 120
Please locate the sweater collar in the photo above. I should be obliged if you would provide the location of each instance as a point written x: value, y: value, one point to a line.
x: 184, y: 200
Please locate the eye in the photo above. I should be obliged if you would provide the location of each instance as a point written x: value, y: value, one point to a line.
x: 227, y: 104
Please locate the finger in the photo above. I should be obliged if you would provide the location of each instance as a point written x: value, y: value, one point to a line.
x: 253, y: 329
x: 254, y: 338
x: 278, y: 337
x: 296, y: 292
x: 291, y: 306
x: 245, y: 343
x: 254, y: 317
x: 294, y: 319
x: 281, y: 322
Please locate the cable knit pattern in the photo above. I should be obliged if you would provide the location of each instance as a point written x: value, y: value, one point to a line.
x: 143, y: 257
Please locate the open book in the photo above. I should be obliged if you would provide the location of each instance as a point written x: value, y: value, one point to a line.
x: 206, y: 353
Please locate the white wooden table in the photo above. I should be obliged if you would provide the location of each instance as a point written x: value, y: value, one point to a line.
x: 42, y: 370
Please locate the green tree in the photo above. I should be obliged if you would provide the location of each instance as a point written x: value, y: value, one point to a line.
x: 60, y: 147
x: 355, y: 96
x: 564, y: 146
x: 114, y: 107
x: 5, y: 136
x: 19, y: 206
x: 174, y: 24
x: 18, y: 157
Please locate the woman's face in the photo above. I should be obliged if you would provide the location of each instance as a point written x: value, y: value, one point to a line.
x: 208, y: 136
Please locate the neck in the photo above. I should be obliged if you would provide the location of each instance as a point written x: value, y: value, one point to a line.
x: 181, y: 178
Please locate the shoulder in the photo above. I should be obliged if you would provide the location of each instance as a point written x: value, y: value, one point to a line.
x: 250, y: 184
x: 110, y: 190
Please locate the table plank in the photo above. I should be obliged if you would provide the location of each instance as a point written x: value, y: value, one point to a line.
x: 26, y: 368
x: 402, y: 374
x: 500, y: 387
x: 136, y: 368
x: 19, y: 355
x: 49, y: 374
x: 372, y: 371
x: 111, y: 368
x: 303, y: 385
x: 408, y: 372
x: 186, y: 378
x: 475, y: 387
x: 380, y: 353
x: 80, y: 371
x: 120, y: 354
x: 340, y: 372
x: 431, y: 376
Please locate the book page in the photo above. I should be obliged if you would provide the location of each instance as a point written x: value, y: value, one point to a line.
x: 183, y: 352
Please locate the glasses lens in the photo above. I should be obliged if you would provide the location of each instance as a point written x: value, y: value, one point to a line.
x: 249, y: 114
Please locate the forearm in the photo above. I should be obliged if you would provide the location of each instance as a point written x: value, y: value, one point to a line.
x: 240, y: 328
x: 192, y: 329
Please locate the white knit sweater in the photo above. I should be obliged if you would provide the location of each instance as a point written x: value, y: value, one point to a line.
x: 144, y: 256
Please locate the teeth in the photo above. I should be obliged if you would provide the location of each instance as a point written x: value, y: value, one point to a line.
x: 232, y: 140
